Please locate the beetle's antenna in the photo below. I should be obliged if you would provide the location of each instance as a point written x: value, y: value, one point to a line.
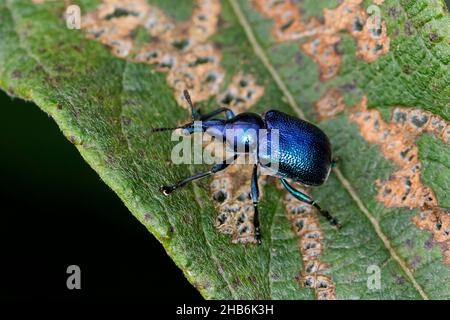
x: 193, y: 111
x: 164, y: 129
x: 170, y: 129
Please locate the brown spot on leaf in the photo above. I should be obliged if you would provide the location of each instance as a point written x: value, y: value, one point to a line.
x: 408, y: 28
x: 126, y: 121
x: 242, y: 93
x: 393, y: 12
x: 370, y: 33
x: 74, y: 140
x: 400, y: 280
x: 433, y: 36
x: 16, y: 74
x: 11, y: 91
x: 415, y: 262
x: 323, y: 51
x: 148, y: 217
x: 330, y: 104
x: 404, y: 187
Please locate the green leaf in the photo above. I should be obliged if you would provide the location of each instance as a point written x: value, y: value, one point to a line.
x: 380, y: 93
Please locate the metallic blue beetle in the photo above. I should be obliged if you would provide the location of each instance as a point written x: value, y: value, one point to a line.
x: 304, y: 151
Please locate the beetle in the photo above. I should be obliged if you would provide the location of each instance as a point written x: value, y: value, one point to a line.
x: 304, y: 151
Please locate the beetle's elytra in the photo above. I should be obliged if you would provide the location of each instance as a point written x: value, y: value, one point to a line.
x: 303, y: 153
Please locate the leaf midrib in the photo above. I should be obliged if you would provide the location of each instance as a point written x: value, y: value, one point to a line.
x: 344, y: 182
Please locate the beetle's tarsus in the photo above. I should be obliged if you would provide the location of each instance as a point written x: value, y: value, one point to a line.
x: 257, y: 236
x: 166, y: 190
x: 255, y: 198
x: 332, y: 220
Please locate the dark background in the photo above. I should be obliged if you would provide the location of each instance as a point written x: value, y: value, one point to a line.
x: 55, y: 211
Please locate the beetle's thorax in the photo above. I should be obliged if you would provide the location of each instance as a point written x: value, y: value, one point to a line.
x: 240, y: 133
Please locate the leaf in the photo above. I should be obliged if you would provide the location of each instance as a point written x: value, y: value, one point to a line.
x: 378, y: 88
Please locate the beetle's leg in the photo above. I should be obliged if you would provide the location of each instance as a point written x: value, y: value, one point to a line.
x: 305, y: 198
x: 195, y: 113
x: 216, y: 168
x: 255, y: 199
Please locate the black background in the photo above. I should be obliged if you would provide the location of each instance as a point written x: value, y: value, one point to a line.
x: 55, y: 211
